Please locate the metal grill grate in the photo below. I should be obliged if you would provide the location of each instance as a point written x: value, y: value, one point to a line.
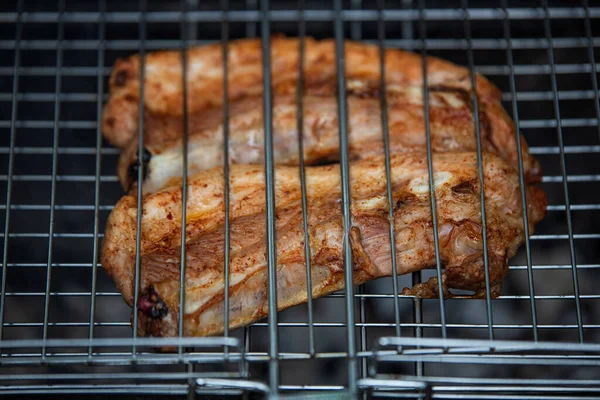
x: 65, y: 328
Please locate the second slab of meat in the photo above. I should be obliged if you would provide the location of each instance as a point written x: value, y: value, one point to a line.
x: 451, y: 102
x: 451, y: 119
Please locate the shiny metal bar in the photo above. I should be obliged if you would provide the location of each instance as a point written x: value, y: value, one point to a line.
x: 64, y: 97
x: 302, y: 172
x: 250, y: 25
x: 191, y: 382
x: 247, y: 339
x: 226, y: 183
x: 563, y: 167
x: 576, y: 236
x: 160, y: 376
x: 594, y: 72
x: 460, y: 345
x: 407, y: 26
x: 304, y: 355
x: 356, y: 33
x: 441, y: 391
x: 184, y: 180
x: 94, y: 71
x: 265, y: 27
x: 140, y: 180
x: 355, y: 26
x: 125, y: 342
x: 251, y: 33
x: 416, y: 277
x: 341, y: 295
x: 471, y: 62
x: 418, y: 320
x: 346, y: 196
x: 409, y: 44
x: 388, y: 171
x: 112, y: 178
x: 515, y: 109
x: 63, y: 150
x: 433, y: 14
x: 95, y: 251
x: 11, y: 163
x: 520, y: 69
x: 570, y: 178
x: 529, y: 124
x: 55, y: 144
x: 436, y: 240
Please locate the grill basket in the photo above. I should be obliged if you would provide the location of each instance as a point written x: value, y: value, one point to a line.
x: 64, y: 328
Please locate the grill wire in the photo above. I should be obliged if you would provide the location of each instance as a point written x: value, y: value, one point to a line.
x: 65, y: 329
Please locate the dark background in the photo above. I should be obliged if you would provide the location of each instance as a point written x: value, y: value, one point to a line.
x: 73, y: 243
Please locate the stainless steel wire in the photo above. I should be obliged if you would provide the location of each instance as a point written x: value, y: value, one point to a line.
x: 184, y: 161
x: 515, y: 110
x: 416, y: 277
x: 250, y: 33
x: 265, y: 35
x: 431, y: 173
x: 11, y: 151
x: 480, y: 167
x: 563, y: 167
x: 33, y: 124
x: 410, y: 44
x: 365, y: 15
x: 356, y: 33
x: 140, y: 179
x: 536, y: 237
x: 201, y: 366
x: 226, y: 183
x: 346, y: 197
x: 413, y: 44
x: 388, y: 171
x: 55, y: 144
x: 590, y: 40
x: 100, y: 90
x: 302, y: 173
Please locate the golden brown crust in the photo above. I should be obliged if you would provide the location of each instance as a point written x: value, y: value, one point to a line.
x: 163, y: 81
x: 459, y: 224
x: 119, y: 250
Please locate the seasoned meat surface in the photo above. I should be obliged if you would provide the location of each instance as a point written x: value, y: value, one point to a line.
x: 451, y: 115
x: 163, y: 77
x: 457, y: 191
x: 451, y: 121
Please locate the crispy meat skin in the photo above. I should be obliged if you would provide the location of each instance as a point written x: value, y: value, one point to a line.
x: 449, y: 84
x: 457, y: 194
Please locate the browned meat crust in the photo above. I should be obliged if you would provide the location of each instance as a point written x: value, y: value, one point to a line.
x: 451, y: 114
x: 451, y: 125
x: 457, y: 193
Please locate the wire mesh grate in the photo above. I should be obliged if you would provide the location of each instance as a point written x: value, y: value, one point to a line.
x: 65, y: 328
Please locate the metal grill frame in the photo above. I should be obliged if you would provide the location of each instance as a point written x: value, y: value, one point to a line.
x: 136, y: 351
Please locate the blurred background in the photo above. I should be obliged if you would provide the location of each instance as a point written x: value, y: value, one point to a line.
x: 86, y: 61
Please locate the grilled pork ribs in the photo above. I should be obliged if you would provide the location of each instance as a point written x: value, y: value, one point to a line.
x: 457, y: 186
